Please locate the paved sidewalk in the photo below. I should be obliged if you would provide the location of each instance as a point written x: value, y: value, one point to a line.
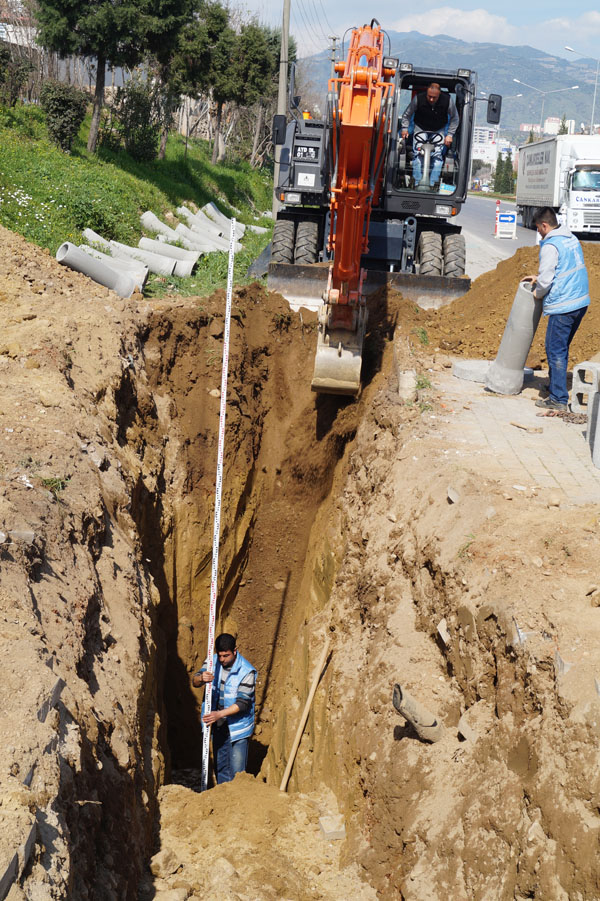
x: 478, y: 423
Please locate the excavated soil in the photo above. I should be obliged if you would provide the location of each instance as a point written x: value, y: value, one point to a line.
x: 336, y: 529
x: 473, y: 325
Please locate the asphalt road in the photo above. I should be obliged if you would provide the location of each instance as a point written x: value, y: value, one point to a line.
x: 477, y: 219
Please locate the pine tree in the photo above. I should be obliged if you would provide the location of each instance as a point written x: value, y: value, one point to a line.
x: 531, y: 137
x: 508, y: 186
x: 499, y: 174
x: 563, y: 130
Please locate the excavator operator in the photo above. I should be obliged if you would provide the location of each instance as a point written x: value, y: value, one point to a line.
x: 432, y: 116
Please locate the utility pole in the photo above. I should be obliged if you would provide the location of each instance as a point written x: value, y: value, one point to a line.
x: 282, y: 93
x: 334, y: 39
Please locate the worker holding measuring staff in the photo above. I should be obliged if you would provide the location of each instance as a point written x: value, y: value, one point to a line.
x: 562, y: 282
x: 233, y: 681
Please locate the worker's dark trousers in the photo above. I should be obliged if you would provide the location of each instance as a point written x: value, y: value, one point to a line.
x: 230, y: 756
x: 559, y: 334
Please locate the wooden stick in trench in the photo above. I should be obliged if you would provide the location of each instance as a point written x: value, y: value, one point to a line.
x: 304, y: 718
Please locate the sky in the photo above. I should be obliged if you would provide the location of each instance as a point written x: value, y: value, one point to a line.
x: 547, y: 26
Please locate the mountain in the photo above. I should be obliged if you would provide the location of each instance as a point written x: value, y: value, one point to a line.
x: 496, y: 66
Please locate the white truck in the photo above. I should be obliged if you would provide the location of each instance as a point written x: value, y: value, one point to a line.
x: 562, y: 172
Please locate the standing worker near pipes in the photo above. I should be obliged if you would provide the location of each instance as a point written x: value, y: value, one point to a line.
x: 562, y: 282
x: 232, y: 716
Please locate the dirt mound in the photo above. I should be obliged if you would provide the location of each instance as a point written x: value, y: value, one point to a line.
x: 473, y: 325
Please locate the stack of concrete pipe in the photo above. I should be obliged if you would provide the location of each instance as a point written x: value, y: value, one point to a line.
x: 125, y: 269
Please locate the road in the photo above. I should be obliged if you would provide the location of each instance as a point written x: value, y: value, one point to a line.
x: 484, y: 251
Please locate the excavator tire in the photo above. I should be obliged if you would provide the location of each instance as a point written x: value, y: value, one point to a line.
x: 282, y: 246
x: 429, y: 254
x: 455, y: 256
x: 307, y: 238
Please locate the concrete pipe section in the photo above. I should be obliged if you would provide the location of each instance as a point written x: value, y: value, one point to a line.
x: 203, y: 241
x: 155, y: 262
x: 200, y: 220
x: 186, y: 259
x: 153, y: 224
x: 119, y: 282
x: 506, y: 374
x: 136, y: 270
x: 426, y: 724
x: 213, y: 212
x: 92, y: 237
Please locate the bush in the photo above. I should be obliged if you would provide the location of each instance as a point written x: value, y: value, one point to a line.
x: 13, y: 76
x: 65, y: 108
x: 134, y: 122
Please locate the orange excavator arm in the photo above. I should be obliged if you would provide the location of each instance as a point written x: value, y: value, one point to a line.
x: 362, y: 92
x: 360, y: 102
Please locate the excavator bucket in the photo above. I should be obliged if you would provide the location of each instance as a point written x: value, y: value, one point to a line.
x: 338, y: 359
x: 303, y: 285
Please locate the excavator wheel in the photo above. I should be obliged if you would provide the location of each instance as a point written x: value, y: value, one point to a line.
x: 282, y: 246
x: 307, y: 242
x: 429, y: 257
x: 455, y: 254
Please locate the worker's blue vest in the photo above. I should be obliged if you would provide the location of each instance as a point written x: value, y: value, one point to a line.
x: 241, y: 725
x: 570, y: 289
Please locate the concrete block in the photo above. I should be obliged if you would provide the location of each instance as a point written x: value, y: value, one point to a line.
x: 592, y: 433
x: 332, y: 827
x: 52, y: 700
x: 582, y: 387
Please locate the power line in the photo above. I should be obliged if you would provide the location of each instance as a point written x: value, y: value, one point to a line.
x: 331, y: 30
x: 310, y: 25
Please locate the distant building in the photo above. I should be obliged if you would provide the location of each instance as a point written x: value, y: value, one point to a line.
x: 551, y: 125
x: 527, y: 126
x: 570, y: 123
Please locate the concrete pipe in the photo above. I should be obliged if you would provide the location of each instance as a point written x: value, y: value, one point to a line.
x: 135, y: 269
x: 155, y: 262
x: 505, y: 375
x: 223, y: 243
x: 91, y: 237
x: 169, y: 250
x: 119, y: 282
x: 198, y: 220
x: 423, y: 722
x: 213, y: 212
x: 204, y: 241
x: 153, y: 224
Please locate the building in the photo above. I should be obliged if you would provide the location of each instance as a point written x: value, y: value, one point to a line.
x: 528, y: 126
x: 551, y: 125
x: 487, y: 144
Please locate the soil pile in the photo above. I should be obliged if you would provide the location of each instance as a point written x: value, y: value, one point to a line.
x: 473, y: 325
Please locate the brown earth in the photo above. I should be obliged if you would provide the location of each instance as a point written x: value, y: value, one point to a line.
x: 473, y: 325
x: 336, y: 526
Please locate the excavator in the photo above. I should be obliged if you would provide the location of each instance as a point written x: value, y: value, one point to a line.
x: 353, y: 216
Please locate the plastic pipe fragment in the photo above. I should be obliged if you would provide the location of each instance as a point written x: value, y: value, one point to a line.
x: 119, y: 282
x: 423, y: 722
x: 136, y: 270
x: 156, y: 263
x: 506, y: 374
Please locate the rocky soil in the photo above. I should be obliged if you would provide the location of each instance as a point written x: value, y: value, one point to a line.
x: 336, y: 528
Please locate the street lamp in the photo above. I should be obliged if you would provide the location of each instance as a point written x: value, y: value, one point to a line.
x: 571, y: 50
x: 573, y: 87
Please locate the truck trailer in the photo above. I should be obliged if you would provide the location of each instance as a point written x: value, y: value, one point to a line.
x: 561, y: 172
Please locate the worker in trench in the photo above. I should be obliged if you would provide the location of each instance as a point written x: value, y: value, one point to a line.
x: 562, y: 283
x: 434, y: 117
x: 233, y: 681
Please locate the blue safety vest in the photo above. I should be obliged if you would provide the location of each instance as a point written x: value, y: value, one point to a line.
x: 570, y: 289
x: 241, y: 725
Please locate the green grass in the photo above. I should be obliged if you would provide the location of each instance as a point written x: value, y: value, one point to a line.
x: 49, y: 196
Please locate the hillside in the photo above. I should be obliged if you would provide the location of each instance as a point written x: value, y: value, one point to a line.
x: 496, y: 65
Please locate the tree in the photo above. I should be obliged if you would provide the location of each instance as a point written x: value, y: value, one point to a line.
x: 531, y: 137
x: 258, y: 61
x: 111, y: 31
x: 499, y: 174
x: 563, y: 129
x: 508, y: 185
x: 476, y: 165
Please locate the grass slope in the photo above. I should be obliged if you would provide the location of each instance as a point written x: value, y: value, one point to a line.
x: 49, y: 196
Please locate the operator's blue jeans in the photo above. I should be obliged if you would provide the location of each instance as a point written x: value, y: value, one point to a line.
x: 230, y: 756
x: 559, y: 334
x: 437, y: 161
